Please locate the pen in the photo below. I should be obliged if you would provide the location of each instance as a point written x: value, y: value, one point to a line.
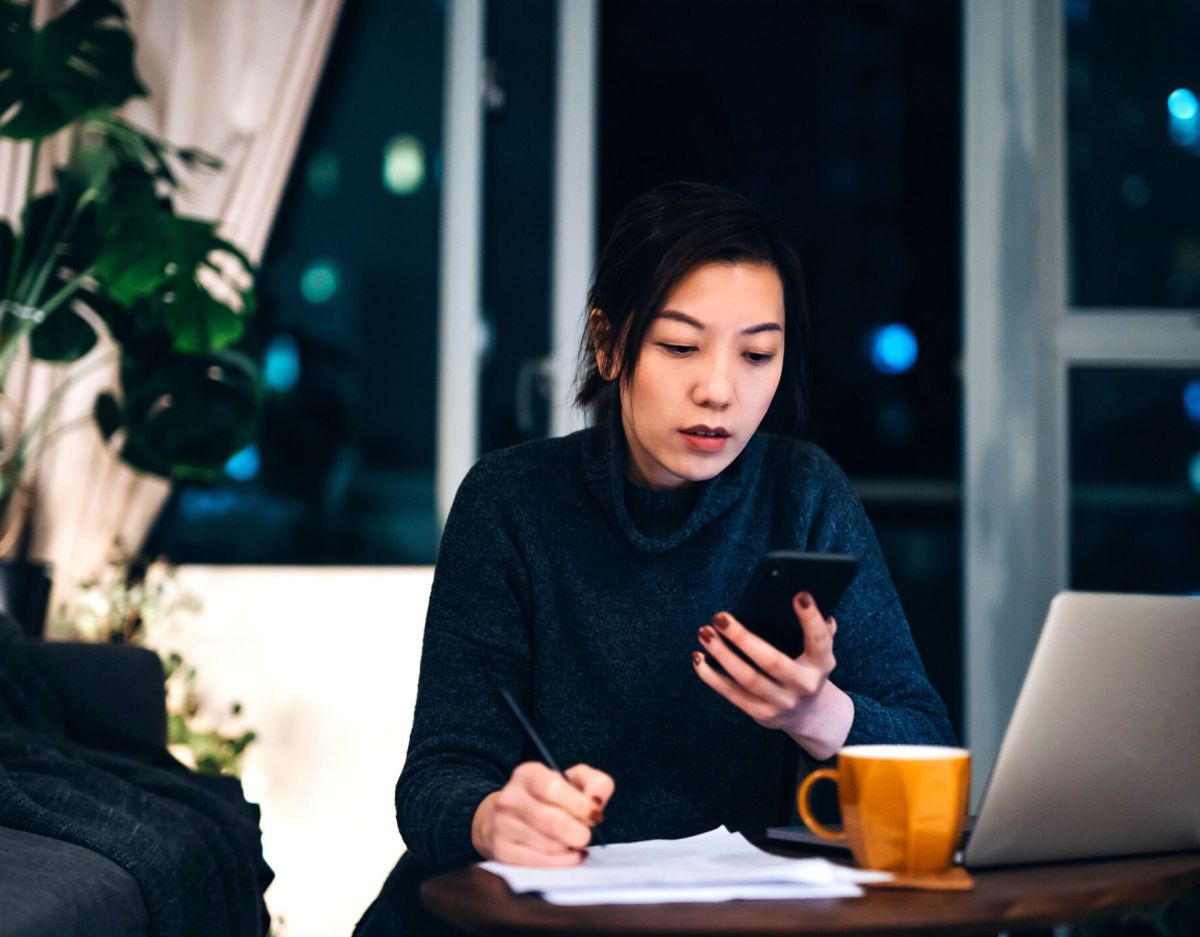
x: 541, y: 747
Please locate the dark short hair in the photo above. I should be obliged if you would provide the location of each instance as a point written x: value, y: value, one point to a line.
x: 658, y: 239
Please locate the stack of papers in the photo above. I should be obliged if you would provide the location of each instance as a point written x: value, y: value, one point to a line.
x: 714, y: 866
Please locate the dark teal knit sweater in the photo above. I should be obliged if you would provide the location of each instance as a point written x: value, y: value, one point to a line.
x: 583, y: 599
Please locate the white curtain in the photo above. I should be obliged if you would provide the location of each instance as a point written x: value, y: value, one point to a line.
x: 235, y: 78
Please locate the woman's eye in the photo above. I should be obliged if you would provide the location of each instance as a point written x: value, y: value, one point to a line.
x: 679, y: 350
x: 758, y: 357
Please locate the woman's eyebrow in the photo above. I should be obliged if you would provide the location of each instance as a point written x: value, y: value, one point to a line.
x: 696, y: 324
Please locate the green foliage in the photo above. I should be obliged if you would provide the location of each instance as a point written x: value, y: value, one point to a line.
x: 128, y: 603
x: 62, y: 337
x: 151, y: 255
x: 81, y: 61
x: 64, y: 244
x: 210, y: 749
x: 183, y: 415
x: 105, y: 250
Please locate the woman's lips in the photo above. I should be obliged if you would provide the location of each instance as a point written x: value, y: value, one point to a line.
x: 703, y: 443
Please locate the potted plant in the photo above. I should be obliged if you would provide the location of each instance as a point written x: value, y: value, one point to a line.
x: 105, y: 254
x: 140, y: 602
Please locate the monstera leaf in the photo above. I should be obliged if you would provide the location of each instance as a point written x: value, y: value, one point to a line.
x: 104, y: 251
x: 80, y: 61
x: 188, y: 302
x: 63, y: 335
x: 170, y: 262
x: 183, y: 416
x: 106, y: 141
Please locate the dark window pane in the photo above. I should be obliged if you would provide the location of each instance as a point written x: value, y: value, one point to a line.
x: 1133, y: 124
x: 517, y: 212
x: 845, y: 119
x: 1135, y: 480
x: 923, y: 548
x: 347, y: 328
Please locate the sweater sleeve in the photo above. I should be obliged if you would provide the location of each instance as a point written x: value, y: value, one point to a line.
x: 877, y: 663
x: 463, y: 745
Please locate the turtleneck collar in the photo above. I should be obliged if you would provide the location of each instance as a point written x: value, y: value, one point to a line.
x: 656, y: 521
x: 658, y: 514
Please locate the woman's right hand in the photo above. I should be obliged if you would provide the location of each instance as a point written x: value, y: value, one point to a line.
x: 539, y: 818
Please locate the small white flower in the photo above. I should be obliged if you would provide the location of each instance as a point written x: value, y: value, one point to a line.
x: 97, y: 603
x: 183, y: 754
x: 176, y: 693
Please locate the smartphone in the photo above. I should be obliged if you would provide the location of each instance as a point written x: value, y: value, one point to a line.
x: 765, y: 606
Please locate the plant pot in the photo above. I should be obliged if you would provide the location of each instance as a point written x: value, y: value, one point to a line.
x: 25, y: 593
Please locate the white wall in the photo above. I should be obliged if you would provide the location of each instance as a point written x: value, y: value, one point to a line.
x: 324, y: 661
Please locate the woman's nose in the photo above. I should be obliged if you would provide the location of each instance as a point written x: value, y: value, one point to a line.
x: 714, y: 388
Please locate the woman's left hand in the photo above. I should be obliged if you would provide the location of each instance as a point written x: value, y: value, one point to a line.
x: 792, y: 694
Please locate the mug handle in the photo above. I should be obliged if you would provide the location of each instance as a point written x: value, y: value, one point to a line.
x: 806, y: 815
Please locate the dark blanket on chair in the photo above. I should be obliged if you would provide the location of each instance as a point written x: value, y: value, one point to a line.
x: 191, y: 840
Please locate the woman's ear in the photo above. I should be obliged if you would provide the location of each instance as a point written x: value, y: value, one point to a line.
x: 601, y: 341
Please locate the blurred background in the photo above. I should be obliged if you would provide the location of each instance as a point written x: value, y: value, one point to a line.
x: 849, y: 120
x: 845, y: 118
x: 998, y: 208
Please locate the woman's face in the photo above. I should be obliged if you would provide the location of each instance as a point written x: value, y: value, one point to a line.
x: 706, y: 374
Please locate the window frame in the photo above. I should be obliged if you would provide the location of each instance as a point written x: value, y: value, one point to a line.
x: 1021, y: 338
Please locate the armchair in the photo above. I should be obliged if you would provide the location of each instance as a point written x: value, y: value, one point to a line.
x: 112, y: 699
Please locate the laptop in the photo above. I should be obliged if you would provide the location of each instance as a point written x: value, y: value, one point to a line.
x: 1102, y: 754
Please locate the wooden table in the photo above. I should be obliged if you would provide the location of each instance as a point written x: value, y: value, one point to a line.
x: 1004, y: 899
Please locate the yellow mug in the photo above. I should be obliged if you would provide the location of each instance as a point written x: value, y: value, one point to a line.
x: 903, y: 806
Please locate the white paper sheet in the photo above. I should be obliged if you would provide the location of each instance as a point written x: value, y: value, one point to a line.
x: 713, y: 866
x: 669, y: 894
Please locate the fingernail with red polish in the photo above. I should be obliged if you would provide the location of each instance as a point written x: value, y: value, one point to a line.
x: 597, y: 801
x: 805, y: 600
x: 697, y: 658
x: 707, y: 634
x: 720, y: 621
x: 596, y: 817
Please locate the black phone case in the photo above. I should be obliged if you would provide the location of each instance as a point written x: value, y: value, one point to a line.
x: 765, y: 606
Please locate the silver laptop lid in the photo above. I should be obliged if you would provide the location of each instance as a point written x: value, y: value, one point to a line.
x: 1102, y: 754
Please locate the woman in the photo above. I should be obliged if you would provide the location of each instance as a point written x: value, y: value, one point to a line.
x: 589, y: 575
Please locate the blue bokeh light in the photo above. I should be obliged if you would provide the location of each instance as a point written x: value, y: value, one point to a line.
x: 243, y: 466
x: 323, y: 172
x: 1191, y: 400
x: 1194, y: 473
x: 403, y: 165
x: 198, y: 504
x: 281, y: 368
x: 320, y: 281
x: 894, y: 349
x: 1184, y: 127
x: 1182, y: 104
